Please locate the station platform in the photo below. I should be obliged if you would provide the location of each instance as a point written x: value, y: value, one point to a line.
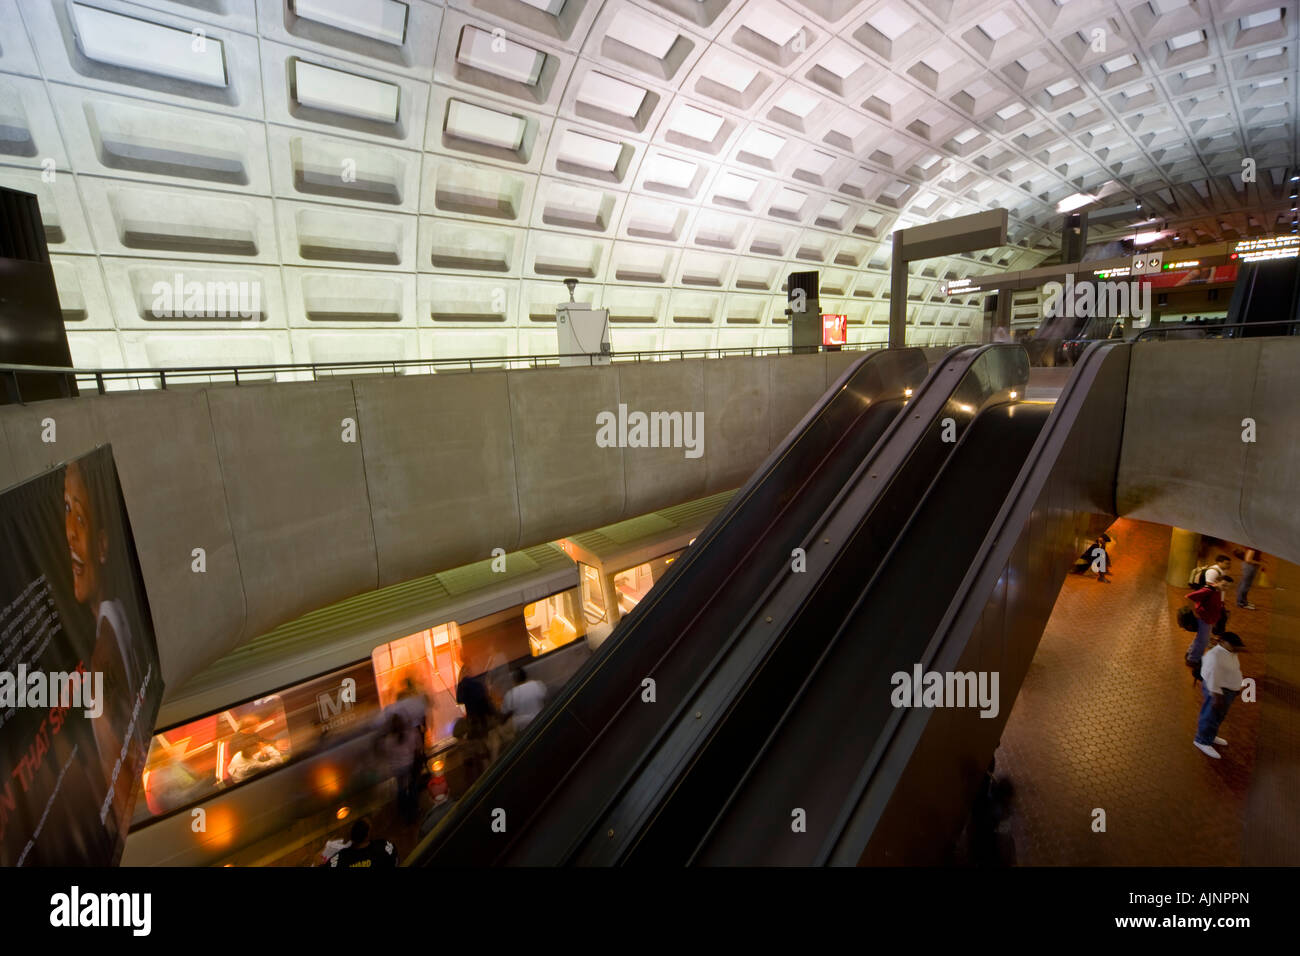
x: 1106, y: 718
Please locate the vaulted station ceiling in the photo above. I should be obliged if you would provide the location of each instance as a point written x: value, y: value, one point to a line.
x: 400, y: 179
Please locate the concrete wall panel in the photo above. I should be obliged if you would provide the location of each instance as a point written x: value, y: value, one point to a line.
x: 1184, y: 462
x: 1270, y: 486
x: 737, y: 397
x: 172, y: 482
x: 836, y: 363
x: 566, y: 482
x: 659, y: 477
x: 74, y: 434
x: 445, y: 468
x: 297, y: 497
x: 440, y: 467
x: 797, y: 381
x: 8, y: 467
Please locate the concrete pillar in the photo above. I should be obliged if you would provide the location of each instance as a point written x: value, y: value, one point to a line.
x: 1184, y: 548
x: 897, y: 298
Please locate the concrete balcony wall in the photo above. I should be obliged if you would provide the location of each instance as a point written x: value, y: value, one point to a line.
x: 443, y: 469
x: 1184, y: 462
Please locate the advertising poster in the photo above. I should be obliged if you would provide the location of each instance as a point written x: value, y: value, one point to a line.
x: 80, y: 684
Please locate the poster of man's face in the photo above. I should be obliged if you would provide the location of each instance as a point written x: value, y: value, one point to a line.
x: 79, y: 676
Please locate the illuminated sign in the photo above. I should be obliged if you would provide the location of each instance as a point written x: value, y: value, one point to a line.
x: 1116, y: 273
x: 1271, y: 247
x: 960, y: 287
x: 835, y: 329
x: 1183, y: 264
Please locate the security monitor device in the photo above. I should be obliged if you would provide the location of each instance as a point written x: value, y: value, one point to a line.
x: 804, y: 309
x: 582, y: 332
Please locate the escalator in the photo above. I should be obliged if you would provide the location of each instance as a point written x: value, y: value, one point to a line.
x: 943, y: 549
x: 1265, y: 294
x: 601, y: 720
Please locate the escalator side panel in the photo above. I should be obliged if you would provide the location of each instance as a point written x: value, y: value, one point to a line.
x: 912, y: 805
x: 833, y: 726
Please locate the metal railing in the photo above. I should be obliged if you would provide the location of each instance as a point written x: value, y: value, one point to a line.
x: 103, y: 380
x: 1224, y: 330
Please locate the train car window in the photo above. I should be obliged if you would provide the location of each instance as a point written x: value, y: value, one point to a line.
x: 554, y: 621
x: 194, y: 761
x: 633, y: 584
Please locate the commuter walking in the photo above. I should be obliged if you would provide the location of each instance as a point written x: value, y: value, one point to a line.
x: 402, y: 749
x: 1207, y: 606
x: 1250, y: 566
x: 524, y: 701
x: 365, y: 852
x: 1221, y: 682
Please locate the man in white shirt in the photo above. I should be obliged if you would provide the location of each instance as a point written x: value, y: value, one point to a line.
x: 524, y: 701
x: 1221, y: 677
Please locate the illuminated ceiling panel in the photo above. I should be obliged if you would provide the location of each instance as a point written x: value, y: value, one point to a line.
x: 465, y: 141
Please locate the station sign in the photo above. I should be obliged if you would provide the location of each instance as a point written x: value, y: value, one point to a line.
x: 1269, y: 247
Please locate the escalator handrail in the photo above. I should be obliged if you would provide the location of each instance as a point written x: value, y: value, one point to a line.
x: 986, y: 567
x: 1148, y: 334
x: 495, y: 774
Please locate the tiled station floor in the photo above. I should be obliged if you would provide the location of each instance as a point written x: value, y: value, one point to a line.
x: 1106, y: 717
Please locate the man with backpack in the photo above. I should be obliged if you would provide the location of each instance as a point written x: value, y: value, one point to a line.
x: 1207, y: 605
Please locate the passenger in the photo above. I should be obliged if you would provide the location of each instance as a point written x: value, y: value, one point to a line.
x: 524, y: 701
x: 412, y: 704
x: 472, y: 694
x: 1221, y: 674
x: 253, y: 754
x: 1216, y: 573
x: 331, y: 848
x: 1095, y: 558
x: 1250, y: 566
x: 365, y: 852
x: 401, y: 748
x: 173, y: 784
x: 1207, y: 604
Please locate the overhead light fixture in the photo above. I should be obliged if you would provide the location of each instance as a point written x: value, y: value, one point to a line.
x: 482, y: 125
x: 379, y: 19
x: 322, y: 88
x: 1146, y: 238
x: 149, y: 47
x: 1075, y: 201
x: 495, y: 54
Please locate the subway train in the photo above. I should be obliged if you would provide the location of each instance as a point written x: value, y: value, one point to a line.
x: 255, y: 751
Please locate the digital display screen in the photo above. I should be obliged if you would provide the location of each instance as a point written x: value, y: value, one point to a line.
x: 835, y: 329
